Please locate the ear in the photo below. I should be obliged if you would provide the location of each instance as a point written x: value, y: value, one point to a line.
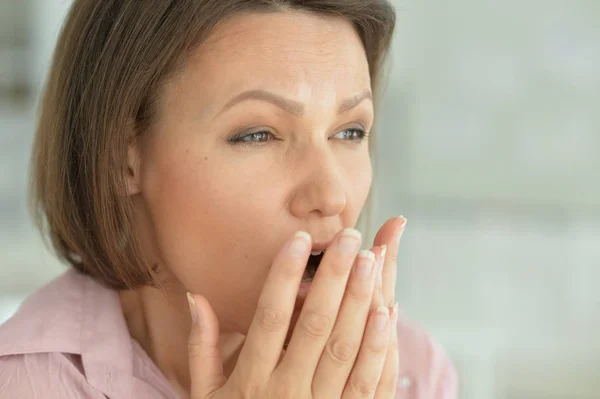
x: 132, y: 174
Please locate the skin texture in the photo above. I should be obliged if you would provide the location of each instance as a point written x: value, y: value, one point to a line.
x: 212, y: 214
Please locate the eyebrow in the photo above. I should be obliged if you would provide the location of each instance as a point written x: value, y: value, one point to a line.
x: 353, y: 102
x: 293, y: 107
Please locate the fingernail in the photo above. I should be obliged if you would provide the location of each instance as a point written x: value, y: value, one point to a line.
x: 364, y: 263
x: 381, y: 318
x: 349, y: 241
x: 300, y: 244
x: 383, y: 252
x: 193, y: 309
x: 401, y: 232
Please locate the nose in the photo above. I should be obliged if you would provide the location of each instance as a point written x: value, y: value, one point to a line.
x: 320, y: 191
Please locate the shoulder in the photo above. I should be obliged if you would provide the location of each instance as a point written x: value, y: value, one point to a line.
x: 40, y: 353
x: 49, y: 320
x: 70, y: 337
x: 44, y: 375
x: 426, y: 371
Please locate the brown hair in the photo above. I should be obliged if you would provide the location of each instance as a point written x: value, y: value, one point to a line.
x: 110, y: 61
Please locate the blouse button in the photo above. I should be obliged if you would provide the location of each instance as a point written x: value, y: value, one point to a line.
x: 405, y: 382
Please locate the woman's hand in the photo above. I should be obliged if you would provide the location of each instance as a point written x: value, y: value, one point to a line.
x: 385, y: 248
x: 340, y: 347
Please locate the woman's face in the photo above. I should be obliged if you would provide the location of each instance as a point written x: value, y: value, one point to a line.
x: 259, y: 136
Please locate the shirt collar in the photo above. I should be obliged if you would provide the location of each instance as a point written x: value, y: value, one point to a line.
x: 106, y: 347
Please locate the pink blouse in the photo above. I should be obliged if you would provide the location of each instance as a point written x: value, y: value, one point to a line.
x: 70, y: 340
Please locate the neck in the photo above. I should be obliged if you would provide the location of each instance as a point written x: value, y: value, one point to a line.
x: 160, y: 322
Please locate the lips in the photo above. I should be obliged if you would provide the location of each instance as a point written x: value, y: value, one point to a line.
x: 316, y: 255
x: 320, y: 246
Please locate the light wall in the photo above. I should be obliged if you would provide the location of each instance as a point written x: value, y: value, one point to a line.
x: 490, y: 145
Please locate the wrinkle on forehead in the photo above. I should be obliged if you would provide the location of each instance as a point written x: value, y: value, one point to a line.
x: 303, y: 39
x: 301, y: 56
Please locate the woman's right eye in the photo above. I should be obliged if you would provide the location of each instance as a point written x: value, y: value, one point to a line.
x: 256, y: 137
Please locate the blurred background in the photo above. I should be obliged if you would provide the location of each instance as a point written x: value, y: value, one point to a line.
x: 490, y: 146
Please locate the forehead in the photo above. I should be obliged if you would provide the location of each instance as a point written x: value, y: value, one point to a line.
x: 301, y: 55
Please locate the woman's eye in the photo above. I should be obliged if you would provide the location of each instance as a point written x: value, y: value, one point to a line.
x: 353, y: 134
x: 350, y: 135
x: 256, y: 137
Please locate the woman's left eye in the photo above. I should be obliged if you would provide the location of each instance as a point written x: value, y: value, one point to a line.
x: 353, y: 134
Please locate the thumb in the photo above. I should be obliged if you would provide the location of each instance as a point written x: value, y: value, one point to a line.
x: 206, y: 366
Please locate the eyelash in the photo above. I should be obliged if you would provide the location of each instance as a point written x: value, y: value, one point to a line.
x: 247, y: 138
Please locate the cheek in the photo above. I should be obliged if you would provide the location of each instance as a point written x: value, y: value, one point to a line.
x: 204, y: 211
x: 359, y: 174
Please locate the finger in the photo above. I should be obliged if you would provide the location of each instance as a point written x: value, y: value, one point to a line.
x: 321, y: 306
x: 389, y: 377
x: 365, y: 376
x: 377, y: 297
x: 206, y: 367
x: 266, y: 334
x: 389, y: 235
x: 342, y: 348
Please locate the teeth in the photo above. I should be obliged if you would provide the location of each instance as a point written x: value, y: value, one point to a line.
x: 315, y: 253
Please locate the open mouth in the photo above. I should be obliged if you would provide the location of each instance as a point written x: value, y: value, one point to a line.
x: 312, y: 265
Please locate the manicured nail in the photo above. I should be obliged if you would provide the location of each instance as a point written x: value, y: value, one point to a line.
x: 349, y: 241
x: 193, y: 310
x: 381, y: 318
x: 393, y: 311
x: 383, y: 252
x: 364, y: 263
x: 300, y: 243
x: 401, y: 232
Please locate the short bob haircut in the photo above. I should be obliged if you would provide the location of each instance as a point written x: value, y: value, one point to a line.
x: 111, y: 59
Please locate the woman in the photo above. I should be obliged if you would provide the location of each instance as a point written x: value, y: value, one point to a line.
x: 215, y: 147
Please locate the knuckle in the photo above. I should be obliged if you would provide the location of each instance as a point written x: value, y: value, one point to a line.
x: 251, y: 390
x: 249, y: 377
x: 339, y: 267
x: 194, y: 350
x: 283, y: 391
x: 362, y: 388
x: 377, y: 346
x: 271, y: 319
x: 378, y: 291
x: 341, y: 351
x: 315, y: 323
x: 359, y: 291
